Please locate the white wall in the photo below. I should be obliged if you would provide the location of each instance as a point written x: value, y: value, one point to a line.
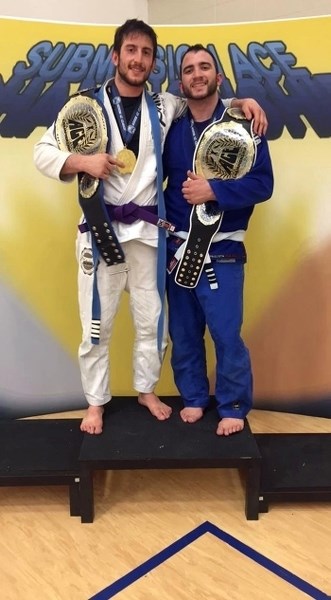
x: 172, y: 12
x: 98, y: 11
x: 163, y: 12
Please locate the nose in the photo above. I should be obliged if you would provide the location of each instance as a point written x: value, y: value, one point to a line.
x: 138, y: 57
x: 198, y: 78
x: 197, y: 73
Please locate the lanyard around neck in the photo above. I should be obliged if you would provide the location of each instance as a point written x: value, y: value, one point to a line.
x: 127, y: 129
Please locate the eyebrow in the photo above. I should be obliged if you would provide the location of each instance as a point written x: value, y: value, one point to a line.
x: 203, y: 63
x: 131, y: 45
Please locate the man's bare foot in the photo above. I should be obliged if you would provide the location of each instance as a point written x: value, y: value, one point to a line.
x: 92, y: 422
x: 157, y: 408
x: 227, y: 426
x: 191, y: 414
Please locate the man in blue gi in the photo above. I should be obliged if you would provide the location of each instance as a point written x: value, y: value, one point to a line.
x: 214, y: 299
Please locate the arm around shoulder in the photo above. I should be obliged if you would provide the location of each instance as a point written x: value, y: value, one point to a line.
x: 252, y: 110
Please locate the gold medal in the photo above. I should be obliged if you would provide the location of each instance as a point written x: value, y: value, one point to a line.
x: 127, y: 157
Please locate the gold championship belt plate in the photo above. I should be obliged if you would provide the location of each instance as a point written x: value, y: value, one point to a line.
x: 226, y: 149
x: 81, y: 128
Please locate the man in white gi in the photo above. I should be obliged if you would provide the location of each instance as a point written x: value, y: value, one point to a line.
x: 121, y: 184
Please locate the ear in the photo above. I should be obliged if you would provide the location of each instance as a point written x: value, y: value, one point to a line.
x: 181, y: 87
x: 219, y: 79
x: 114, y: 58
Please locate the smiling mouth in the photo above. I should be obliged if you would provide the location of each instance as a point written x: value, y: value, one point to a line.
x: 137, y: 69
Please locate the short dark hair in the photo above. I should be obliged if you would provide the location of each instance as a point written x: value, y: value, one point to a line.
x: 197, y: 48
x: 134, y: 26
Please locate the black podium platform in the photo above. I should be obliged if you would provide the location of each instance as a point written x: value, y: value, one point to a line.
x: 295, y: 467
x: 41, y: 452
x: 133, y: 439
x: 55, y: 452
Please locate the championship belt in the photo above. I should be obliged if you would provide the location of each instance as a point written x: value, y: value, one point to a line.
x: 226, y: 149
x: 81, y: 128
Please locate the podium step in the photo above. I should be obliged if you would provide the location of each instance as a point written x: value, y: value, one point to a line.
x: 295, y: 466
x: 41, y: 452
x: 133, y: 439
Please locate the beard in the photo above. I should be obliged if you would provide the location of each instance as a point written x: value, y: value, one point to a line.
x: 131, y: 78
x: 192, y: 94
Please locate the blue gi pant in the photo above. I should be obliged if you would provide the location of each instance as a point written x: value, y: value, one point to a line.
x: 221, y: 310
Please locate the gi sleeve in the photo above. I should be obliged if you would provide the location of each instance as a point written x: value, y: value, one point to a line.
x: 255, y: 187
x: 49, y: 159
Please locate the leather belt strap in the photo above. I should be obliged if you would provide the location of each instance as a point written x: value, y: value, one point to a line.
x: 195, y: 252
x: 99, y: 223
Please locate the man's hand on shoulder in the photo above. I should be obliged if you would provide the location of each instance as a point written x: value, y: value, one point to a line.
x: 252, y: 110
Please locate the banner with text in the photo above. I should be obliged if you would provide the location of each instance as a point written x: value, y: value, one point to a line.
x: 285, y: 65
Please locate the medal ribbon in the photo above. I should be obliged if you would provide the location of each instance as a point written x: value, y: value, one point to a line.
x: 193, y: 126
x: 127, y: 129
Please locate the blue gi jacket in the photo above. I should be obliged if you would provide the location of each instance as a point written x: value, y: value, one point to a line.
x: 236, y: 197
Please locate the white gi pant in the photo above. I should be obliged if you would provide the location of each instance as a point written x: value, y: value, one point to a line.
x: 145, y: 305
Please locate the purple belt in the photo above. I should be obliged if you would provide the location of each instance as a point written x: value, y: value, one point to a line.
x: 131, y: 212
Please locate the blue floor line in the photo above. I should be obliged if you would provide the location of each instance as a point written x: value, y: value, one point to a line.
x: 150, y: 564
x: 268, y: 564
x: 192, y: 536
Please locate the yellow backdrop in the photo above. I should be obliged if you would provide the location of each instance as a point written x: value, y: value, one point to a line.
x: 283, y: 64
